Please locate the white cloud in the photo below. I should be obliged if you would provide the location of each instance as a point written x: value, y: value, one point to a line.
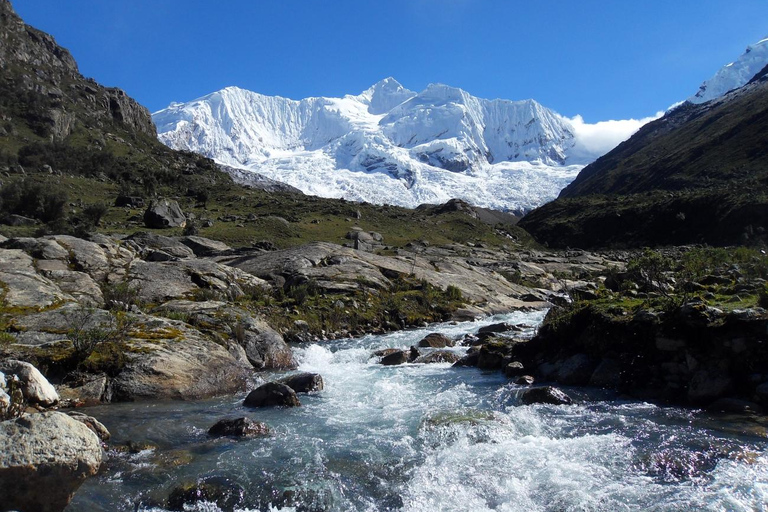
x: 596, y: 139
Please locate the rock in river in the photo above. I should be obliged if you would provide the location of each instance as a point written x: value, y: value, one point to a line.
x: 44, y: 458
x: 546, y: 395
x: 239, y: 427
x: 304, y: 382
x: 270, y: 394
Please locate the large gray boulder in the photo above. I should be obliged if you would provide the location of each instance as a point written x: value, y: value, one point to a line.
x: 164, y: 213
x: 169, y: 359
x: 34, y: 386
x: 44, y: 458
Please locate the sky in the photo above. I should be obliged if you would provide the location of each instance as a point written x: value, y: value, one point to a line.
x: 591, y: 61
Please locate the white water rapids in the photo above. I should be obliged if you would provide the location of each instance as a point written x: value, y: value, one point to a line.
x: 434, y: 438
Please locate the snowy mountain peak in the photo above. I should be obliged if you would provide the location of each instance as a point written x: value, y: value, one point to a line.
x: 734, y: 75
x: 385, y: 95
x: 385, y: 145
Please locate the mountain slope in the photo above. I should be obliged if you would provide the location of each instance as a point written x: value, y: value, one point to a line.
x: 385, y: 145
x: 698, y: 174
x: 56, y: 120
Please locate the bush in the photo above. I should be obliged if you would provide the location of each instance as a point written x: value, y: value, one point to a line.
x: 454, y: 293
x: 35, y: 200
x: 94, y: 212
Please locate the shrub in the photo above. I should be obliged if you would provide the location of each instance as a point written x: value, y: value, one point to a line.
x: 454, y: 293
x: 42, y: 202
x: 94, y: 212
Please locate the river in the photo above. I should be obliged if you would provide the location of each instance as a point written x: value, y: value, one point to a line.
x: 434, y: 438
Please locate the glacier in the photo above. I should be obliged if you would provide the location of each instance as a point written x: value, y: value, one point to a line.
x: 734, y: 75
x: 387, y: 145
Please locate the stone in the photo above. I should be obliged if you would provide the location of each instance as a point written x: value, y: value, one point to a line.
x: 225, y: 494
x: 239, y: 427
x: 708, y: 385
x: 204, y: 246
x: 164, y: 213
x: 91, y: 392
x: 44, y: 458
x: 607, y: 374
x: 18, y: 220
x: 470, y: 359
x: 92, y: 423
x: 495, y: 328
x: 272, y: 394
x: 175, y: 361
x: 524, y: 380
x: 34, y: 386
x: 395, y: 358
x: 545, y: 395
x: 436, y: 340
x: 304, y: 382
x: 438, y: 356
x: 576, y: 370
x: 514, y: 369
x: 490, y: 357
x: 265, y: 348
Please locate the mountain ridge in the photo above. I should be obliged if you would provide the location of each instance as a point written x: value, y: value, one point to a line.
x: 387, y: 144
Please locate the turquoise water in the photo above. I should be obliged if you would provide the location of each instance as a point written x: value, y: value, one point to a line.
x: 435, y: 438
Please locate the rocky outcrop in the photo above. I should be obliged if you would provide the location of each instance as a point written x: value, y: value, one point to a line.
x: 44, y: 458
x: 694, y: 355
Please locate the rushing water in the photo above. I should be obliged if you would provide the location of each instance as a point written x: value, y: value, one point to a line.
x: 435, y: 438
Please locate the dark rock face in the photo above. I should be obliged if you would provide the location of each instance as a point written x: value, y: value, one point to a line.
x: 164, y: 213
x: 545, y: 395
x: 272, y: 394
x: 304, y: 382
x: 436, y: 340
x: 239, y: 427
x: 129, y: 201
x: 44, y: 458
x: 694, y: 356
x: 226, y: 494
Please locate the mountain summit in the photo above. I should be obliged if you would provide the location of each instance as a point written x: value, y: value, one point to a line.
x: 385, y: 145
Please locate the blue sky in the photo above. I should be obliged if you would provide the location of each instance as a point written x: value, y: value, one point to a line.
x: 610, y: 59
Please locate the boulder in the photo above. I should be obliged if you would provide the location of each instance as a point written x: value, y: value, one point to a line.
x: 514, y: 369
x: 172, y: 360
x: 129, y: 201
x: 264, y: 347
x: 272, y: 394
x: 491, y: 357
x: 239, y: 427
x: 545, y: 395
x: 164, y: 213
x: 304, y: 382
x: 496, y: 328
x: 35, y: 388
x: 438, y: 356
x: 395, y: 358
x: 204, y: 246
x: 436, y: 340
x: 44, y: 458
x: 708, y: 385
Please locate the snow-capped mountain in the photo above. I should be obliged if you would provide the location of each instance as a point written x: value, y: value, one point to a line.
x: 385, y: 145
x: 734, y: 75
